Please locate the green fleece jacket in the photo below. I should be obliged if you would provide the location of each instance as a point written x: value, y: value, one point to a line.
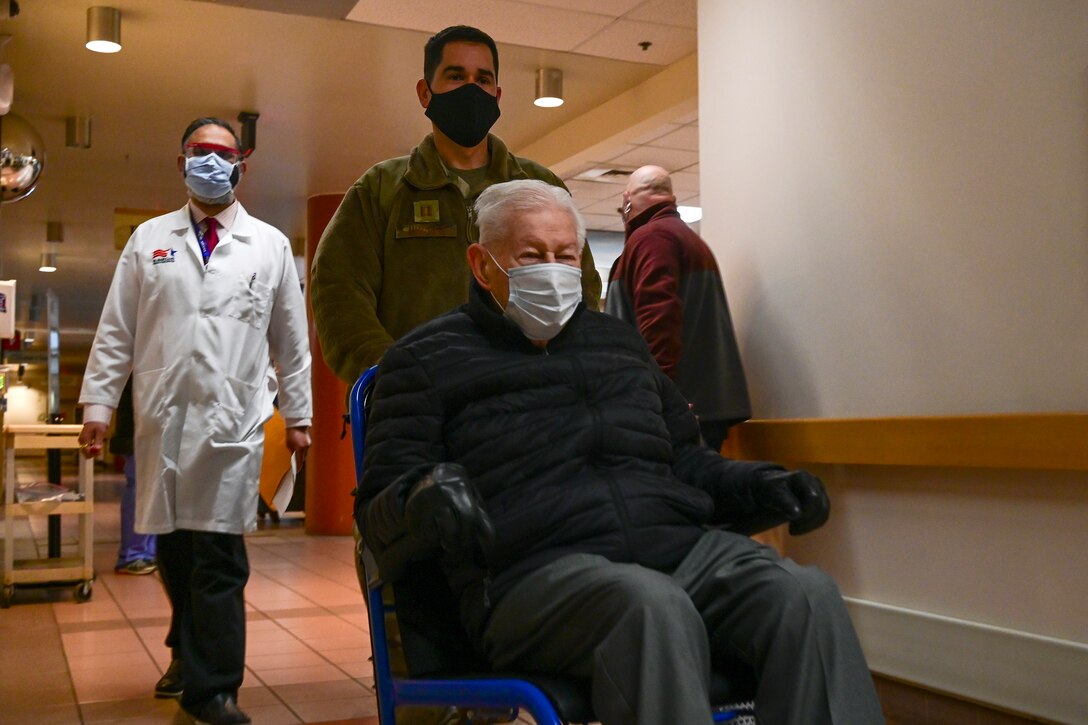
x: 393, y: 255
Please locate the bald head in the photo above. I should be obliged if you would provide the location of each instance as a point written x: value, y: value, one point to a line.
x: 648, y: 185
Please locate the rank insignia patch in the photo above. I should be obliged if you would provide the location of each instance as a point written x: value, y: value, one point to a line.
x: 425, y: 211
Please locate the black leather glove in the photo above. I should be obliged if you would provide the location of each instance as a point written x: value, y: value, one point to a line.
x: 444, y: 509
x: 797, y: 495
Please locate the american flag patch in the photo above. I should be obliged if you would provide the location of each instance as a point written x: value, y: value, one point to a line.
x: 159, y: 256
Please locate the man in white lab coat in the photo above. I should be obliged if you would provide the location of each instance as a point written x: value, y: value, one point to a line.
x: 204, y: 302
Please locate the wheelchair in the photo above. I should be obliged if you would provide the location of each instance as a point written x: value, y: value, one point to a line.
x: 449, y: 675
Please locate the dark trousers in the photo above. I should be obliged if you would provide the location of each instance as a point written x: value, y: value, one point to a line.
x: 205, y: 575
x: 648, y: 639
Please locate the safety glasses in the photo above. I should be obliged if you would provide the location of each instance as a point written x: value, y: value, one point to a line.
x: 228, y: 154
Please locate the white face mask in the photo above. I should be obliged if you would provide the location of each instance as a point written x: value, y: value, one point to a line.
x: 543, y: 297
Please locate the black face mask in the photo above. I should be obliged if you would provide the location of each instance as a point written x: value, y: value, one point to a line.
x: 465, y: 114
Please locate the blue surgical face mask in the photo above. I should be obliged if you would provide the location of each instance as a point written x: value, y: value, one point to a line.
x: 211, y: 179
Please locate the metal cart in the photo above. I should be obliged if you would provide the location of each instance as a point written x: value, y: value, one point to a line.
x: 60, y: 570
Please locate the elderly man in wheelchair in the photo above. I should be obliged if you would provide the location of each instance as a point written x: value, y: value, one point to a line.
x: 528, y: 455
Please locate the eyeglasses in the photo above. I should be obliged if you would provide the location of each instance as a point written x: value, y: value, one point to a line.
x: 228, y: 154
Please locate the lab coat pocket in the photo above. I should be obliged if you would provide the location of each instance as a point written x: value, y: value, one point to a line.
x: 233, y: 409
x: 250, y: 301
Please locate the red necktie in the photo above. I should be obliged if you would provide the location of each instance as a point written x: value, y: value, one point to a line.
x: 211, y: 236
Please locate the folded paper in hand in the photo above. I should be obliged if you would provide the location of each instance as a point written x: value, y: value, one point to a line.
x: 285, y: 489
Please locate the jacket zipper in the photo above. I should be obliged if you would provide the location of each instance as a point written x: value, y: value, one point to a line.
x: 621, y: 510
x: 598, y: 434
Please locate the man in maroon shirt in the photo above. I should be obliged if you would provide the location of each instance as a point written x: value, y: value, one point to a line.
x: 666, y: 283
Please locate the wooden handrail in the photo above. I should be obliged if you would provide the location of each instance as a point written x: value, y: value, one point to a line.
x: 1047, y: 441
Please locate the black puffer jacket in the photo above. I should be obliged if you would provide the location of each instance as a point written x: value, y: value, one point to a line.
x: 585, y: 447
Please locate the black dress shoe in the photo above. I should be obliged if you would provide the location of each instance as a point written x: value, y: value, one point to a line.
x: 220, y: 710
x: 170, y: 685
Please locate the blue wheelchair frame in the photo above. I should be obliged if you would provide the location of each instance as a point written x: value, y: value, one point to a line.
x: 497, y: 692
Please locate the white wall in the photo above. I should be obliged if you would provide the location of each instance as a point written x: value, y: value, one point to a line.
x: 897, y: 194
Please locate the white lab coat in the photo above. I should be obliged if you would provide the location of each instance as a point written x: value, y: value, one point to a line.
x: 199, y: 343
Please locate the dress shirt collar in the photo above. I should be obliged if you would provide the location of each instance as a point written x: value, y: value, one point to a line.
x: 225, y: 218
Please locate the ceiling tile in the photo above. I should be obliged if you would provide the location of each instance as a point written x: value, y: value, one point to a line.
x: 684, y: 181
x: 615, y: 8
x: 609, y: 154
x: 621, y: 40
x: 335, y: 9
x: 684, y: 137
x: 602, y: 157
x: 591, y: 191
x: 535, y: 26
x: 680, y: 13
x: 692, y: 117
x: 607, y: 174
x: 670, y: 159
x: 655, y: 133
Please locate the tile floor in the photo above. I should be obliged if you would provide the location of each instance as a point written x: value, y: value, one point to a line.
x: 63, y: 662
x: 307, y: 649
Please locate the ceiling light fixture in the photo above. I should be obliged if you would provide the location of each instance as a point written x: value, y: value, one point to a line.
x: 549, y: 88
x: 49, y: 262
x: 103, y: 29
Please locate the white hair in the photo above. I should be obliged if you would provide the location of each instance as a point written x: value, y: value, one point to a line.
x: 497, y: 204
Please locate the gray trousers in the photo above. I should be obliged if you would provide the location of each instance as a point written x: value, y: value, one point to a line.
x: 646, y: 639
